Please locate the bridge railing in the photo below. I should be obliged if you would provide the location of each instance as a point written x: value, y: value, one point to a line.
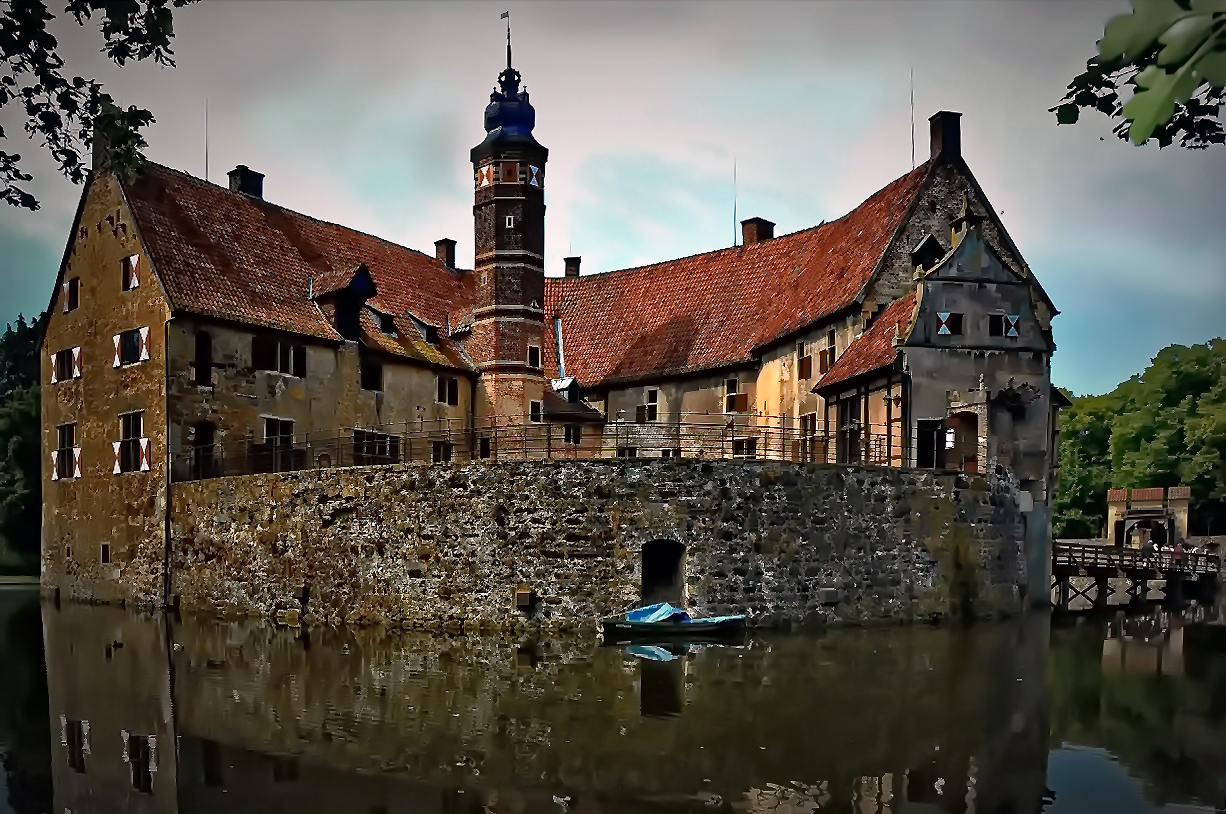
x: 1089, y: 555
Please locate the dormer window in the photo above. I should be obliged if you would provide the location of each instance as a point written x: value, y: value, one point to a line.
x: 387, y: 323
x: 1003, y: 325
x: 949, y: 323
x: 431, y: 334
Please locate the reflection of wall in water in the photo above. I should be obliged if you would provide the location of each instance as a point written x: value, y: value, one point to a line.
x: 346, y: 721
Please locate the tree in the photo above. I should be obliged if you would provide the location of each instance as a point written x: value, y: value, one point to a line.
x: 1164, y: 427
x: 65, y: 114
x: 1172, y: 55
x: 21, y: 475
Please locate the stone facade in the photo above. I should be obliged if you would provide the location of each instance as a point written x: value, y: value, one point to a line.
x: 448, y: 547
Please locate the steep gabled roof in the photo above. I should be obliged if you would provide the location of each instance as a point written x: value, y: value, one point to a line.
x: 714, y: 310
x: 875, y: 348
x: 231, y: 256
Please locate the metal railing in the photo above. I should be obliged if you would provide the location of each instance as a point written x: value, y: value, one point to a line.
x: 743, y: 436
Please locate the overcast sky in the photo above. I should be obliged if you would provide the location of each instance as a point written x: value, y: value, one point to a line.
x: 364, y: 113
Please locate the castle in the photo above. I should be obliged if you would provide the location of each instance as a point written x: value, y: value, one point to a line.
x: 198, y: 331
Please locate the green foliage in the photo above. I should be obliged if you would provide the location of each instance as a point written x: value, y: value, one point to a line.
x: 1165, y: 427
x: 64, y: 114
x: 1173, y: 55
x: 20, y: 448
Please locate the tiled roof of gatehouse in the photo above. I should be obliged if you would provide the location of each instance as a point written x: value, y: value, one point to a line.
x: 875, y: 348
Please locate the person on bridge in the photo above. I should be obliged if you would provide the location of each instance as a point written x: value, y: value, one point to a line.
x: 1178, y: 554
x: 1149, y: 553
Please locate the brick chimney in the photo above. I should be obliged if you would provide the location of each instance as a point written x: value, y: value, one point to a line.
x: 246, y: 181
x: 444, y: 252
x: 756, y: 230
x: 572, y: 266
x: 946, y: 134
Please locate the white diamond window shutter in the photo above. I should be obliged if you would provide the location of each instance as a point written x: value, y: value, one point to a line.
x: 116, y: 445
x: 145, y: 457
x: 54, y: 379
x: 144, y: 344
x: 123, y: 733
x: 1011, y: 321
x: 76, y: 363
x: 65, y: 290
x: 134, y: 263
x: 85, y: 737
x: 117, y: 362
x: 943, y: 323
x: 76, y: 463
x: 55, y: 464
x: 153, y: 753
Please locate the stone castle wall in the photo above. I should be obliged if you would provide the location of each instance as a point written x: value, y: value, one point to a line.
x: 445, y: 548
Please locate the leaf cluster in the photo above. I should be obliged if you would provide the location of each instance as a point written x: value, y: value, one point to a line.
x: 1171, y: 54
x: 64, y: 113
x: 1165, y: 427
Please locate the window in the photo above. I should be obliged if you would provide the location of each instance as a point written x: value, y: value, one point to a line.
x: 440, y: 451
x: 76, y: 735
x: 448, y: 390
x: 371, y: 374
x: 510, y: 221
x: 130, y: 272
x: 745, y: 448
x: 949, y: 323
x: 734, y: 401
x: 67, y: 454
x: 509, y: 172
x: 627, y: 452
x: 284, y: 770
x: 485, y: 447
x: 141, y: 761
x: 66, y: 364
x: 72, y: 294
x: 652, y: 405
x: 804, y: 362
x: 204, y: 359
x: 431, y: 335
x: 387, y: 323
x: 572, y: 434
x: 809, y: 450
x: 210, y: 758
x: 535, y: 412
x: 670, y: 453
x: 278, y: 355
x: 131, y: 347
x: 534, y: 356
x: 132, y: 449
x: 278, y: 432
x: 104, y: 556
x: 375, y: 448
x: 825, y: 357
x: 1003, y: 325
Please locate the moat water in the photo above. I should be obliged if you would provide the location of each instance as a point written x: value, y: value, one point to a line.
x: 104, y: 710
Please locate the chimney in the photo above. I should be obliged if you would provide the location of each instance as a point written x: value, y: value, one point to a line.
x: 246, y: 181
x: 756, y: 230
x: 946, y: 134
x: 444, y: 252
x: 572, y: 266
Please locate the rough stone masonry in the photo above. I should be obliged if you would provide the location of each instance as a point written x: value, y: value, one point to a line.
x: 560, y: 544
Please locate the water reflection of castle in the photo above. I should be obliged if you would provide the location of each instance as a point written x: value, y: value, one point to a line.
x: 152, y: 716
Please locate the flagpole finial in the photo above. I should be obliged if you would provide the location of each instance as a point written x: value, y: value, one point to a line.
x: 506, y: 15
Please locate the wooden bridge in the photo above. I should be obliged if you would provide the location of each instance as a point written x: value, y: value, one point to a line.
x: 1190, y: 576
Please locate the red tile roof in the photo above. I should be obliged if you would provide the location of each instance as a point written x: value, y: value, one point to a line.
x: 712, y: 310
x: 875, y: 349
x: 225, y: 255
x: 1152, y: 493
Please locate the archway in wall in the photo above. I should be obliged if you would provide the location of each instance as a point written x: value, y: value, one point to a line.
x: 663, y: 571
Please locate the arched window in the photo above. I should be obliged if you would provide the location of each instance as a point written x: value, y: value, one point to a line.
x: 663, y: 571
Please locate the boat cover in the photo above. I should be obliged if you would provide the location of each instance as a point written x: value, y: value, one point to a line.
x: 660, y: 612
x: 651, y: 652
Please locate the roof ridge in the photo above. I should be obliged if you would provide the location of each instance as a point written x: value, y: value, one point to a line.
x: 295, y: 212
x: 714, y: 252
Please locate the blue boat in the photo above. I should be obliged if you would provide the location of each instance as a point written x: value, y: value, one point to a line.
x: 664, y: 621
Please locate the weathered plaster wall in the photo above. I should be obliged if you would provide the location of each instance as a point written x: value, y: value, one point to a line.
x: 126, y: 511
x: 328, y: 398
x: 434, y: 547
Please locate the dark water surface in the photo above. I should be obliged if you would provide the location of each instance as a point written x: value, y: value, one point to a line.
x: 102, y: 710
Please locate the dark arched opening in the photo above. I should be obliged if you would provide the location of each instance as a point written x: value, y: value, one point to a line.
x: 662, y: 571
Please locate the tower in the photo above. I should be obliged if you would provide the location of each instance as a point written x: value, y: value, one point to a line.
x: 509, y: 223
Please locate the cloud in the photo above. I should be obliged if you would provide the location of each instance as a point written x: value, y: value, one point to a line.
x: 363, y: 113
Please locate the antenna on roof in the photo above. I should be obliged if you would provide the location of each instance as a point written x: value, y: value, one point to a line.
x: 506, y: 15
x: 734, y: 200
x: 913, y: 118
x: 206, y: 138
